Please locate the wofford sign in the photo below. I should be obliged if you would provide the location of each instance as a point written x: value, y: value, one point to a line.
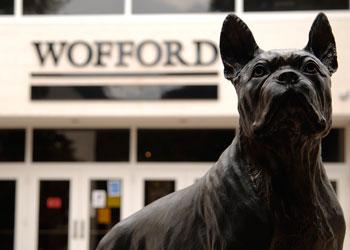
x: 146, y: 53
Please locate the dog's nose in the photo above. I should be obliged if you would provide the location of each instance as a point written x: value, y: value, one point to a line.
x: 288, y: 77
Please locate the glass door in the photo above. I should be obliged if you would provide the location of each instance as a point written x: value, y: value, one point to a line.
x: 13, y: 223
x: 7, y: 213
x: 107, y: 198
x: 79, y: 195
x: 113, y: 191
x: 105, y: 207
x: 54, y: 204
x: 58, y: 202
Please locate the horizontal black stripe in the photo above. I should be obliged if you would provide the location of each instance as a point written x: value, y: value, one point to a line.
x: 125, y: 74
x: 125, y: 92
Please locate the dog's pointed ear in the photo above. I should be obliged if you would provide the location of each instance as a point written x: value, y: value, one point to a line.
x: 237, y: 45
x: 322, y: 44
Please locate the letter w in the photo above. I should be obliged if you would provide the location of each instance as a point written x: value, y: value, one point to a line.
x: 50, y: 50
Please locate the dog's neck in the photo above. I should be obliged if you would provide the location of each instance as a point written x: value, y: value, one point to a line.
x: 288, y: 167
x: 288, y: 174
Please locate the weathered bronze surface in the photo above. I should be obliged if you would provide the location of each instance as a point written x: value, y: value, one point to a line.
x: 269, y: 189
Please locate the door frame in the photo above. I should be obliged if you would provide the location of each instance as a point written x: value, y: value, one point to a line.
x: 15, y: 172
x: 52, y: 172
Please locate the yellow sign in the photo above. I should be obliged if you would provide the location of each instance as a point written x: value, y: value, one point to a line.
x: 113, y: 202
x: 104, y: 216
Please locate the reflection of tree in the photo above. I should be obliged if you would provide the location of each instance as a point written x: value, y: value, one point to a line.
x: 50, y: 145
x: 43, y: 6
x: 222, y: 5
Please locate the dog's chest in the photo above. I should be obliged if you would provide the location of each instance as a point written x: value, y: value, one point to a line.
x: 320, y: 228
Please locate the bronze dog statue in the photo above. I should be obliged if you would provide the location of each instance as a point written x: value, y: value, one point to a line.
x: 269, y: 189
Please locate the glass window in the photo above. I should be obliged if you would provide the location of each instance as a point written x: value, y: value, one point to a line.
x: 53, y: 215
x: 334, y: 184
x: 155, y: 189
x: 280, y: 5
x: 175, y: 6
x: 105, y: 205
x: 12, y: 143
x: 67, y: 145
x: 73, y: 7
x: 7, y: 214
x: 122, y: 93
x: 186, y: 145
x: 333, y: 146
x: 6, y: 7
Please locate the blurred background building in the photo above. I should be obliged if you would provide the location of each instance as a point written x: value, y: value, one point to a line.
x: 108, y: 105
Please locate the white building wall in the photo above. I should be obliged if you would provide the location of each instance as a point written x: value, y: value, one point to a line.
x: 19, y: 59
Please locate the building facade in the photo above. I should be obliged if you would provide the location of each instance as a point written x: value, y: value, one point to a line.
x: 106, y: 107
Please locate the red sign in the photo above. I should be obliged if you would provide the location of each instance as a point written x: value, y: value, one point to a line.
x: 54, y: 203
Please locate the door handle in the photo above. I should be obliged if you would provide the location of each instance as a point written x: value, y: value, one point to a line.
x: 75, y: 229
x: 82, y: 229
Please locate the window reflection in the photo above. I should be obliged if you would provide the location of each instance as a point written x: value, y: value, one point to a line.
x: 160, y: 92
x: 53, y: 215
x: 12, y: 145
x: 105, y: 205
x: 334, y: 184
x: 69, y: 145
x: 333, y: 146
x: 6, y: 7
x: 182, y: 145
x: 175, y: 6
x: 73, y: 6
x: 280, y: 5
x: 156, y: 189
x: 7, y: 213
x: 135, y: 92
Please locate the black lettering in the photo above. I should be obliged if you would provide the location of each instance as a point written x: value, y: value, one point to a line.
x: 140, y: 53
x: 104, y: 49
x: 73, y: 60
x: 174, y: 49
x: 199, y: 52
x: 125, y: 49
x: 52, y: 49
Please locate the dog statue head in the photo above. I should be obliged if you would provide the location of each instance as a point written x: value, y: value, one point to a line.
x: 280, y: 91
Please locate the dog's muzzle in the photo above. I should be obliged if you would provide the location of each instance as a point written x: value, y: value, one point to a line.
x: 287, y: 77
x: 294, y: 109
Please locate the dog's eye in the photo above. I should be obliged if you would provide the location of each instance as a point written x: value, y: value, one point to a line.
x: 310, y: 67
x: 259, y: 71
